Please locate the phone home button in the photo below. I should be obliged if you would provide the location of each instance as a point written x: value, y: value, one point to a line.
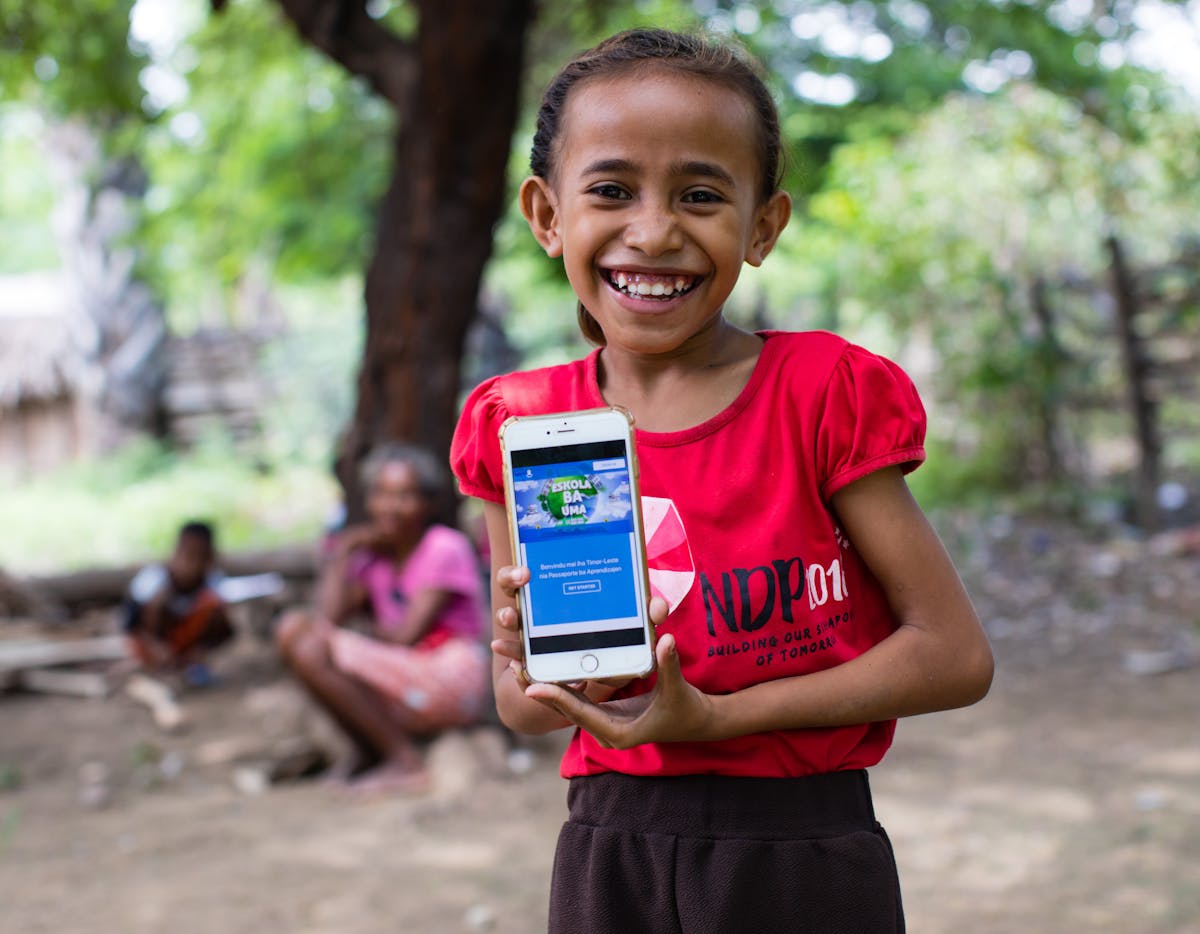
x: 589, y: 663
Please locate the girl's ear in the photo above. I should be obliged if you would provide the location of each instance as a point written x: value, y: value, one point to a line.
x: 768, y: 225
x: 540, y: 208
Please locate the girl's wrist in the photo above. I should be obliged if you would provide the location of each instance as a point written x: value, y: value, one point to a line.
x: 719, y: 721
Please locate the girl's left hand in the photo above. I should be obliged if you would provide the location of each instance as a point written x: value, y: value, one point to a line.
x: 671, y: 711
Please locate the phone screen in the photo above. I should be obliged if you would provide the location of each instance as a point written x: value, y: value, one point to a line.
x: 576, y: 534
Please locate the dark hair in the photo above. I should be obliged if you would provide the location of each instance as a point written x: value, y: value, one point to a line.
x: 697, y: 56
x: 431, y: 473
x: 200, y: 530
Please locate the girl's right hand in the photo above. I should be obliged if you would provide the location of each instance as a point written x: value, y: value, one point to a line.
x: 509, y: 580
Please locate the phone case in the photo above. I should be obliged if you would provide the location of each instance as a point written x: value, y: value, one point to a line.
x: 636, y: 503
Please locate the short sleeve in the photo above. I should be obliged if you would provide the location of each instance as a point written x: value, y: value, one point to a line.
x: 475, y: 447
x: 147, y: 582
x: 872, y: 418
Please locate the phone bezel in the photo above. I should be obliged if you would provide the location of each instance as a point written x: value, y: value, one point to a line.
x: 563, y: 429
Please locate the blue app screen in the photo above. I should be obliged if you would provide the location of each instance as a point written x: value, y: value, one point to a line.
x: 576, y: 532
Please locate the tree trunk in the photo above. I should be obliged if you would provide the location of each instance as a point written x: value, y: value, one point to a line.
x: 1047, y: 363
x: 434, y: 232
x: 1137, y: 363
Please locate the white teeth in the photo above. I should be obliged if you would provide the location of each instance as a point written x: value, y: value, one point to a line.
x: 656, y: 289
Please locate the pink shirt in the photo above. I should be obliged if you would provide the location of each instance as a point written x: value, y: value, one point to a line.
x: 740, y: 536
x: 442, y: 560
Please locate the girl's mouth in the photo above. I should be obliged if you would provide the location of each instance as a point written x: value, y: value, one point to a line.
x: 650, y: 286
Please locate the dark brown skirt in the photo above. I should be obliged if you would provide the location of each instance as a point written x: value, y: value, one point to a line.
x: 707, y: 854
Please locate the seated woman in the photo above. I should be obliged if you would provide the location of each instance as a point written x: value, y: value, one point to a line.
x: 420, y: 664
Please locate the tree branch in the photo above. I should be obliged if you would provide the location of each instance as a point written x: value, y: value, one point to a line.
x: 344, y: 31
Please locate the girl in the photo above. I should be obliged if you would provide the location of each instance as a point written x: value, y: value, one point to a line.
x: 802, y: 600
x: 420, y: 666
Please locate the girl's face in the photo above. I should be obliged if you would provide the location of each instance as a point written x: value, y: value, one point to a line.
x: 396, y: 502
x: 654, y: 205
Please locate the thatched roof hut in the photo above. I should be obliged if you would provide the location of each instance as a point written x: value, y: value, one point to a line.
x: 51, y: 408
x: 40, y: 374
x: 38, y: 360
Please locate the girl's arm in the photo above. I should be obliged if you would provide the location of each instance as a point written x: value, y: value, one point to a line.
x: 517, y: 711
x: 937, y: 658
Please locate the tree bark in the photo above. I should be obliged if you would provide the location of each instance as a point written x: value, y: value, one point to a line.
x: 1047, y: 363
x: 454, y: 87
x: 1142, y: 405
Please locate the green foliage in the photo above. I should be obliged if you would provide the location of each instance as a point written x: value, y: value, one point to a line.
x: 310, y: 369
x: 926, y: 205
x: 26, y: 240
x: 892, y: 61
x: 948, y: 479
x: 71, y: 57
x: 941, y: 236
x: 275, y: 158
x: 128, y: 508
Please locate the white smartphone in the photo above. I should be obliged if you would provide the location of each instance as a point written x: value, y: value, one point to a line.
x: 574, y: 516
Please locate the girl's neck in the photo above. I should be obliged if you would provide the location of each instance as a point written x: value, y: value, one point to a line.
x: 684, y: 387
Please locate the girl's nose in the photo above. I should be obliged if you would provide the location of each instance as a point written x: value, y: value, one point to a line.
x: 653, y: 230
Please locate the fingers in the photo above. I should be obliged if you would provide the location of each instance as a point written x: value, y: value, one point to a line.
x: 508, y: 618
x: 511, y: 579
x: 659, y: 608
x: 517, y: 669
x: 667, y: 657
x: 507, y: 648
x: 670, y: 676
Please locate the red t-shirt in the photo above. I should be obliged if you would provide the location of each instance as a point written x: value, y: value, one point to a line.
x: 761, y: 581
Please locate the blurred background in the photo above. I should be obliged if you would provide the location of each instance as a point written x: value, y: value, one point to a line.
x: 244, y: 240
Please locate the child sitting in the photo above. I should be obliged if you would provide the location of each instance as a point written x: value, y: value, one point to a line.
x: 174, y: 615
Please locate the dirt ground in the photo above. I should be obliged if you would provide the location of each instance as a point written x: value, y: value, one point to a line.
x: 1069, y: 800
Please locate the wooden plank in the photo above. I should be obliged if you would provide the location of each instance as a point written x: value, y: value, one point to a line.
x: 251, y: 587
x: 107, y: 585
x: 19, y: 656
x: 66, y: 681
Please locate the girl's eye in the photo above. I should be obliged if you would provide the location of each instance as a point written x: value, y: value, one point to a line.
x: 702, y: 196
x: 609, y: 192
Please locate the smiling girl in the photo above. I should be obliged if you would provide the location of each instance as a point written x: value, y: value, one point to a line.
x: 802, y: 600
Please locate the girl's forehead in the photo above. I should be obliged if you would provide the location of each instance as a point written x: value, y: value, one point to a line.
x: 634, y: 88
x: 657, y: 107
